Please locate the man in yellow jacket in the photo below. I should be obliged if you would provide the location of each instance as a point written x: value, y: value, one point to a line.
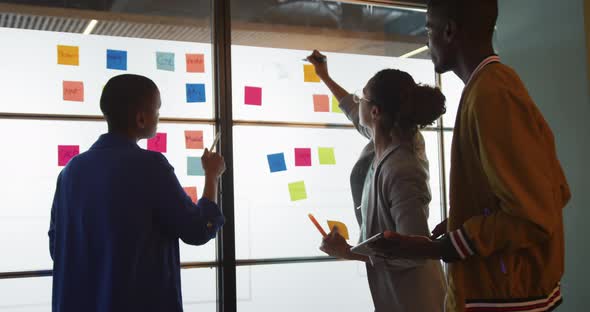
x: 504, y: 239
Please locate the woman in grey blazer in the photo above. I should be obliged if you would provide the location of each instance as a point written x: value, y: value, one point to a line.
x: 389, y: 184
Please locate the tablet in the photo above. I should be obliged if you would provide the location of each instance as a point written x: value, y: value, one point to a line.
x: 363, y: 247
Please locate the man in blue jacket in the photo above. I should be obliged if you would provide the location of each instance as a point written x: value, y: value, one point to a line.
x: 119, y: 211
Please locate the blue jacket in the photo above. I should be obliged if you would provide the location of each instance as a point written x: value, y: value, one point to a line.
x: 117, y: 215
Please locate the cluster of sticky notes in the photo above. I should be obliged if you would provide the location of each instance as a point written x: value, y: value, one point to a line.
x: 158, y: 143
x: 277, y: 163
x: 321, y: 104
x: 309, y: 74
x: 191, y: 191
x: 195, y: 63
x: 65, y: 153
x: 253, y: 96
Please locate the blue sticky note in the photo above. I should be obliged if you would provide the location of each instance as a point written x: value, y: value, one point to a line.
x: 195, y: 93
x: 165, y: 61
x: 276, y: 162
x: 194, y: 167
x: 117, y: 59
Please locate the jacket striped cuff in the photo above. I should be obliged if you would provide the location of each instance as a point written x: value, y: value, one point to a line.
x: 543, y: 304
x: 457, y: 246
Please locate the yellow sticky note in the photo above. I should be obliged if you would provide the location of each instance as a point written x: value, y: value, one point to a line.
x: 335, y: 105
x: 297, y: 191
x: 342, y: 229
x: 326, y: 156
x: 309, y: 74
x: 68, y: 55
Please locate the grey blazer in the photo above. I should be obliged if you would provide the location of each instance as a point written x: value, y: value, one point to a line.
x: 399, y: 201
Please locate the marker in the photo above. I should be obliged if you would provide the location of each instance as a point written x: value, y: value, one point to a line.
x: 317, y: 225
x: 217, y: 136
x: 321, y: 59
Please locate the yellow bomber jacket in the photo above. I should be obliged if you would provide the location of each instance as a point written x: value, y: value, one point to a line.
x: 505, y: 245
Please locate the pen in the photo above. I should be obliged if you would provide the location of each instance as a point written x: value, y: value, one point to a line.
x: 321, y: 59
x: 215, y: 141
x: 317, y: 225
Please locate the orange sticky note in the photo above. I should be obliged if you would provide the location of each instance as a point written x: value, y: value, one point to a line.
x: 193, y: 139
x: 191, y: 191
x: 68, y: 55
x: 309, y: 74
x: 321, y: 103
x: 195, y: 63
x: 73, y: 91
x: 342, y: 229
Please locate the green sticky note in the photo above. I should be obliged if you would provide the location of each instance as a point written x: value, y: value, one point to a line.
x: 335, y: 107
x: 194, y: 167
x: 297, y: 191
x: 326, y: 156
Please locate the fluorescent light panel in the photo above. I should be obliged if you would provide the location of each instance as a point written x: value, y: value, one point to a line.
x: 90, y: 27
x: 415, y: 52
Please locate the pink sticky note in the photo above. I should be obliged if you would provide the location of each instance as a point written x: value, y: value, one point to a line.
x: 65, y: 153
x: 303, y: 157
x: 73, y: 91
x: 193, y: 139
x: 191, y: 191
x: 157, y: 143
x: 321, y: 103
x: 195, y: 63
x: 253, y: 96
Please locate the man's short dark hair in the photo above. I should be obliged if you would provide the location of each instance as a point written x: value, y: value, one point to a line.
x: 476, y: 17
x: 122, y: 97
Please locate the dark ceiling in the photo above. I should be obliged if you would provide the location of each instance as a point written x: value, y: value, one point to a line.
x: 305, y: 13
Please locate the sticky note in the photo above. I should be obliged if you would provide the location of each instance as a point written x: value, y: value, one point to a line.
x: 321, y: 103
x: 303, y: 157
x: 157, y: 143
x: 253, y: 96
x: 65, y: 153
x: 326, y: 156
x: 342, y: 229
x: 195, y: 63
x: 194, y: 167
x: 165, y: 61
x: 276, y: 162
x: 117, y: 59
x: 297, y: 191
x: 309, y: 74
x: 193, y: 139
x: 73, y: 91
x: 191, y: 191
x: 195, y: 93
x: 68, y: 55
x: 335, y: 105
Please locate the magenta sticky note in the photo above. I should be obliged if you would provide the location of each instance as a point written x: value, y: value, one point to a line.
x: 303, y: 157
x: 253, y: 96
x: 65, y: 153
x: 157, y: 143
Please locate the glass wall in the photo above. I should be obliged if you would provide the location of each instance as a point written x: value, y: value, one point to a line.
x: 293, y: 149
x: 55, y: 62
